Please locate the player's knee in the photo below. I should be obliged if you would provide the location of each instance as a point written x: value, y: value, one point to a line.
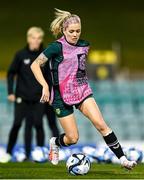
x: 73, y: 139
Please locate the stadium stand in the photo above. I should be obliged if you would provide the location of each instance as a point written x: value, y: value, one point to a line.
x: 121, y: 102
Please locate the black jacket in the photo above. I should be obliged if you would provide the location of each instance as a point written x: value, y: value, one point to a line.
x: 27, y: 86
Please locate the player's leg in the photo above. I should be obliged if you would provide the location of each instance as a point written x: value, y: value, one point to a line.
x: 68, y: 123
x: 52, y: 120
x: 90, y: 109
x: 69, y: 126
x: 69, y: 137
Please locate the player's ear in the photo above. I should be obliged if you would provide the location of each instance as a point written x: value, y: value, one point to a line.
x: 63, y: 32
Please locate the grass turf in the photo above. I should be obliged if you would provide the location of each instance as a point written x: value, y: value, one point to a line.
x: 29, y: 170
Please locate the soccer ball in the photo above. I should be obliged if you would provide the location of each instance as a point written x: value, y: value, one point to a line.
x: 78, y: 164
x: 19, y: 155
x: 134, y: 154
x: 40, y: 154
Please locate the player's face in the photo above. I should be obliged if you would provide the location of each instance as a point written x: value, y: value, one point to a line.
x: 72, y: 33
x: 34, y: 41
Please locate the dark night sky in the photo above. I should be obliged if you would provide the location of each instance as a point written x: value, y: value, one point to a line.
x: 103, y: 22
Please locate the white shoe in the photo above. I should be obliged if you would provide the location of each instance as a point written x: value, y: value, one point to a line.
x: 54, y: 152
x: 5, y: 158
x: 127, y: 164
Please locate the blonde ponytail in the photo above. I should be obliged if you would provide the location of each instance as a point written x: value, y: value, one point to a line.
x: 56, y: 25
x: 62, y: 20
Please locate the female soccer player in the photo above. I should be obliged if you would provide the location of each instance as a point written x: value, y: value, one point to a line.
x: 70, y: 87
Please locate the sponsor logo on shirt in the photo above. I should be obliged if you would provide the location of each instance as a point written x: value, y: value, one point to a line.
x: 58, y: 111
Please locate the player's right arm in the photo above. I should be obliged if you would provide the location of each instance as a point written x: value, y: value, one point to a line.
x: 54, y: 49
x: 36, y: 69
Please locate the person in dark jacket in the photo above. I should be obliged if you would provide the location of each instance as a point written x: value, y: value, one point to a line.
x: 26, y: 95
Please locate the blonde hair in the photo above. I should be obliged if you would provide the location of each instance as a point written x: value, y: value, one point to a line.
x: 34, y: 29
x: 62, y: 20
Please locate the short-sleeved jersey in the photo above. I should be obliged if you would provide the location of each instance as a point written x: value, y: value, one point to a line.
x: 67, y: 65
x: 55, y: 56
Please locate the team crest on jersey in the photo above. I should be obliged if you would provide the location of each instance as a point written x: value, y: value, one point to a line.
x: 26, y: 61
x: 58, y: 111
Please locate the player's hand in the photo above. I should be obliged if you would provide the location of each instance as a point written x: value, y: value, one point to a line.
x: 45, y: 94
x: 11, y: 98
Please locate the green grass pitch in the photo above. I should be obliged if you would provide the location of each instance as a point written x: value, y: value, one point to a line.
x: 29, y: 170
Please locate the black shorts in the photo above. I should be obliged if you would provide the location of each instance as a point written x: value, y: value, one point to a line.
x: 60, y: 107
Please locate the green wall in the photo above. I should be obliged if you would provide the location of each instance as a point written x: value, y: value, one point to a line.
x: 103, y: 22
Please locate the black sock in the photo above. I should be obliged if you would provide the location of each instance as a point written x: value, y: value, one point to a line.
x: 59, y: 140
x: 112, y: 141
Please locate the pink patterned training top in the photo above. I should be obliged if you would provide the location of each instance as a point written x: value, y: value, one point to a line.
x: 73, y: 81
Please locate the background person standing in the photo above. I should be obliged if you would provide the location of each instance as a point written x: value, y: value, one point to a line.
x: 26, y: 95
